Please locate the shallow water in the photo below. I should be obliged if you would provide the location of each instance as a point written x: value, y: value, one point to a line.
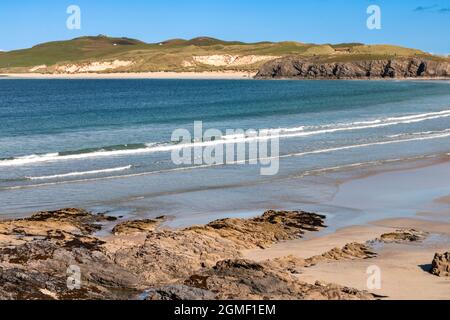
x: 105, y: 144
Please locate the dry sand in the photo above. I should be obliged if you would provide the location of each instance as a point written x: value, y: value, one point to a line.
x: 404, y: 273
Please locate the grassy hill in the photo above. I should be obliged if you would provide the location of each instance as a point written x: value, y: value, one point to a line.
x: 182, y: 55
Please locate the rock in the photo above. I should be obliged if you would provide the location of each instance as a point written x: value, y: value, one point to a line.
x: 200, y: 262
x: 441, y: 265
x: 162, y: 252
x: 51, y: 224
x: 178, y: 292
x: 35, y: 254
x: 246, y: 280
x: 294, y: 264
x: 166, y: 255
x: 271, y: 227
x: 350, y: 251
x: 137, y: 226
x: 303, y: 68
x: 403, y: 235
x: 291, y: 264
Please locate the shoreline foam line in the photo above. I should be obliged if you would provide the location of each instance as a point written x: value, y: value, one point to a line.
x: 300, y: 154
x: 82, y: 173
x: 230, y: 139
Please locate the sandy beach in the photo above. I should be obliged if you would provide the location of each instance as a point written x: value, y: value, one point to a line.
x: 222, y: 75
x: 404, y: 265
x: 322, y: 264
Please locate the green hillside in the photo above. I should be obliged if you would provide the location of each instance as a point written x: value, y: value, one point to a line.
x: 198, y: 54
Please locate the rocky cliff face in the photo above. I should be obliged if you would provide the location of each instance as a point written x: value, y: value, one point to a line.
x: 298, y: 68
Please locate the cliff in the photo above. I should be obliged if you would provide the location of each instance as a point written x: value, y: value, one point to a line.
x: 300, y: 68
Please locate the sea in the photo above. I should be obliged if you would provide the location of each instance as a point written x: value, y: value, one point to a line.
x: 107, y: 145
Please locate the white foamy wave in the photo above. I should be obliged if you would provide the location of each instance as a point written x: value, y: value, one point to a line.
x: 393, y: 120
x: 413, y: 134
x: 76, y: 174
x: 443, y: 134
x: 434, y: 135
x: 303, y: 131
x: 265, y: 134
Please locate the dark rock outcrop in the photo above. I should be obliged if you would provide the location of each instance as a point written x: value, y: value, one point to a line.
x: 243, y: 280
x: 300, y: 68
x: 178, y: 292
x: 294, y: 265
x: 350, y: 251
x: 141, y: 259
x: 441, y: 265
x: 137, y: 226
x: 36, y: 253
x: 403, y: 235
x: 159, y: 257
x: 271, y: 227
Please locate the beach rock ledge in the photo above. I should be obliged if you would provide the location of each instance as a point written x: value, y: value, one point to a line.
x: 146, y: 260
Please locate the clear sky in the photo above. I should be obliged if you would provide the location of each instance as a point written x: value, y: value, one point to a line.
x: 422, y: 24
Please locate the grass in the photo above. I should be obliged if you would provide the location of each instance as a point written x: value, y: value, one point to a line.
x: 171, y: 55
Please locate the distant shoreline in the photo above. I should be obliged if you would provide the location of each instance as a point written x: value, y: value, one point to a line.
x: 209, y: 75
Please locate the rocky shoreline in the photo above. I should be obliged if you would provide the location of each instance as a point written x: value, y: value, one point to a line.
x: 401, y: 68
x: 145, y: 260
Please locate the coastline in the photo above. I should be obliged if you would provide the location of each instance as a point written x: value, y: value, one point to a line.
x: 325, y: 261
x: 404, y: 265
x: 207, y: 75
x: 311, y: 231
x: 187, y: 75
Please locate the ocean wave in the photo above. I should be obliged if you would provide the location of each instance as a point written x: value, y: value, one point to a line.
x: 395, y: 120
x: 265, y: 134
x: 443, y: 134
x: 82, y: 173
x: 413, y: 134
x: 135, y: 146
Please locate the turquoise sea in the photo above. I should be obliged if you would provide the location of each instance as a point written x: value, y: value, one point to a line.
x: 105, y: 144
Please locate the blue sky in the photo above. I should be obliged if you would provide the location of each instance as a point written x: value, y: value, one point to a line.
x: 423, y: 24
